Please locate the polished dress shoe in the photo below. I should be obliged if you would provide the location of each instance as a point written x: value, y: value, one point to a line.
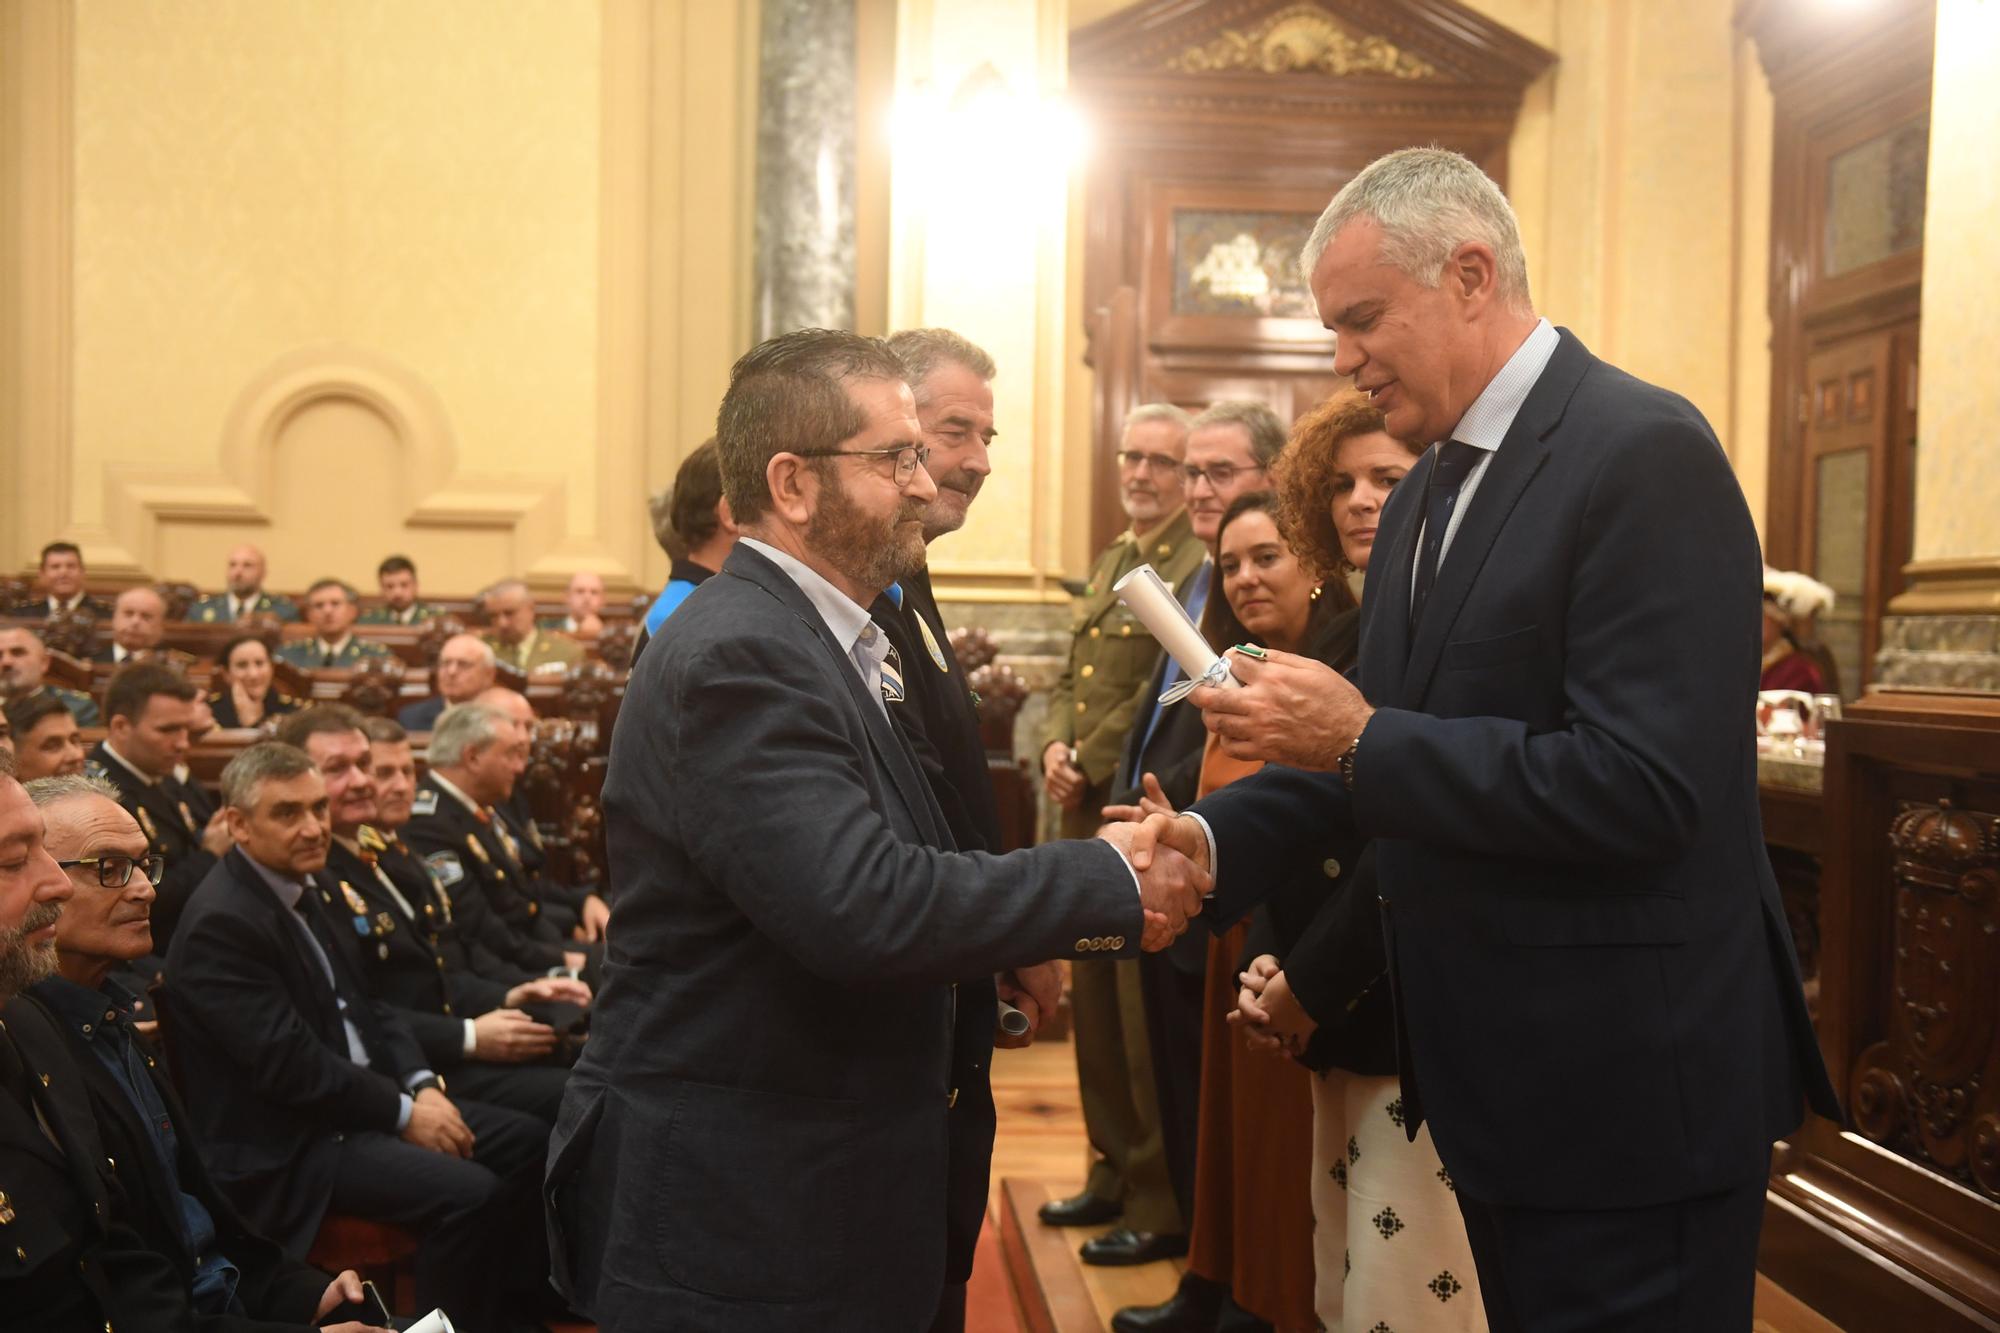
x: 1082, y: 1210
x: 1194, y: 1308
x: 1115, y: 1249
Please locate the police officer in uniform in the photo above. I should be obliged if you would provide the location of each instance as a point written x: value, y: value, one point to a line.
x: 1091, y: 711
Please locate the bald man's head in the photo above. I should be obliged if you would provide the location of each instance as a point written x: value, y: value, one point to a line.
x: 139, y: 620
x: 585, y: 595
x: 24, y: 660
x: 513, y: 703
x: 465, y: 667
x: 246, y: 570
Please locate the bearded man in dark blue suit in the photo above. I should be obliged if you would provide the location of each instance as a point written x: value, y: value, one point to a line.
x: 1598, y: 1004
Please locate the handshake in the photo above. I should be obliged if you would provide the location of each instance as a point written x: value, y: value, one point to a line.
x: 1169, y: 853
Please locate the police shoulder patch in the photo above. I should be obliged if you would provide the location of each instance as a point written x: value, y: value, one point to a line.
x: 445, y: 865
x: 426, y: 802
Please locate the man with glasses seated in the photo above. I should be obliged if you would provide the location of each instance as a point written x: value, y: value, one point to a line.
x: 1091, y: 712
x: 225, y: 1268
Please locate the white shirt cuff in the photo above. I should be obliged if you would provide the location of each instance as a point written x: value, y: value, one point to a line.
x: 471, y: 1039
x: 1214, y: 862
x: 406, y: 1104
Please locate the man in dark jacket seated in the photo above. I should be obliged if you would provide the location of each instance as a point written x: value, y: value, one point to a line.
x: 471, y: 1028
x: 311, y: 1098
x: 235, y: 1280
x: 70, y: 1263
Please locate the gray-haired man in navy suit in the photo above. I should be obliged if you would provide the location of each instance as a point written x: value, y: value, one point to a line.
x: 1598, y: 1004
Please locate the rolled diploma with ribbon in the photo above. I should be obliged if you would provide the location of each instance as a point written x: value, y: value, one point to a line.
x: 1167, y: 621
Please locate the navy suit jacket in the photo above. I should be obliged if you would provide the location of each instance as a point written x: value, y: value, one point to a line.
x: 1598, y: 1000
x: 756, y: 1135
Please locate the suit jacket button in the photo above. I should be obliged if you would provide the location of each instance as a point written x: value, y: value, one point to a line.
x: 1331, y: 867
x: 1083, y: 945
x: 1088, y: 671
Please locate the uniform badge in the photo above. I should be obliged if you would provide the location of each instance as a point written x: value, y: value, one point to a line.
x: 369, y: 838
x: 445, y: 865
x: 384, y: 924
x: 426, y: 802
x: 382, y: 952
x: 931, y: 645
x: 187, y: 817
x: 473, y: 843
x: 146, y: 822
x: 355, y: 902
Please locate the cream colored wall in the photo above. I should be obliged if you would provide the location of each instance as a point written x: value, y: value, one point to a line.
x: 1958, y: 482
x: 352, y: 276
x: 1640, y: 171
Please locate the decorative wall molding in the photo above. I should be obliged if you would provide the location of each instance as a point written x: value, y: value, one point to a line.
x: 427, y: 490
x: 1301, y: 39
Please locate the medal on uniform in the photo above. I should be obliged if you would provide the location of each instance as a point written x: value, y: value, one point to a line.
x: 384, y: 924
x: 472, y: 842
x: 355, y: 902
x: 931, y: 645
x: 146, y: 822
x: 187, y: 816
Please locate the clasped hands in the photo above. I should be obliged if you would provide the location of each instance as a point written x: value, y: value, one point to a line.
x: 1269, y: 1015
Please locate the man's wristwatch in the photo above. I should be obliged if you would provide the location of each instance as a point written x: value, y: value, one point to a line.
x: 434, y: 1081
x: 1346, y: 762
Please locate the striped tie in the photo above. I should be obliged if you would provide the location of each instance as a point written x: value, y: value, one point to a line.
x: 892, y: 676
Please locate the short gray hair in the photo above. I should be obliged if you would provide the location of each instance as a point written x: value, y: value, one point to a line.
x: 923, y: 350
x: 244, y: 778
x: 462, y: 727
x: 1260, y: 423
x: 70, y: 787
x: 507, y: 588
x: 1145, y: 412
x: 1428, y: 202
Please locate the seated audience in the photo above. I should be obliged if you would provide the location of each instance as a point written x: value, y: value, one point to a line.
x: 583, y: 913
x: 584, y: 600
x: 519, y: 642
x: 46, y: 743
x: 465, y: 666
x: 243, y: 696
x: 77, y: 1264
x: 469, y: 935
x: 225, y: 1269
x: 150, y: 710
x: 397, y: 579
x: 62, y: 587
x: 331, y: 607
x: 24, y: 663
x: 468, y: 1027
x: 138, y: 624
x: 1791, y: 600
x: 246, y: 597
x: 309, y: 1098
x: 474, y: 758
x: 693, y: 525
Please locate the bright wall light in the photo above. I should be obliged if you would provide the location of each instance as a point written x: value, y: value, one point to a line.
x: 984, y: 120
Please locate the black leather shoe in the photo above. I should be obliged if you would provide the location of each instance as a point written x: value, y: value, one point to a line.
x: 1082, y: 1210
x: 1115, y: 1249
x: 1194, y: 1308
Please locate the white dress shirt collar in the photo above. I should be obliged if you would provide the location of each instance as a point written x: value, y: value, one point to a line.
x: 449, y: 788
x: 129, y: 766
x: 1485, y: 423
x: 866, y: 646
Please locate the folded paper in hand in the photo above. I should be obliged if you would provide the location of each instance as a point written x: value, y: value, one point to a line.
x: 434, y: 1322
x: 1167, y: 620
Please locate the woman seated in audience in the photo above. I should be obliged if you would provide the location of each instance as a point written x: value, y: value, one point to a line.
x: 1251, y: 1229
x: 1790, y: 602
x: 243, y: 696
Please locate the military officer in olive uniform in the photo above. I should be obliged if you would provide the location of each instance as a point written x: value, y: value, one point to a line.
x: 246, y: 596
x: 1091, y: 711
x: 518, y: 641
x: 331, y: 606
x: 397, y: 577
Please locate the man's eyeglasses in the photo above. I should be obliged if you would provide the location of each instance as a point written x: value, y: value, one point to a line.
x: 115, y: 872
x: 1132, y: 460
x: 909, y: 457
x: 1219, y: 475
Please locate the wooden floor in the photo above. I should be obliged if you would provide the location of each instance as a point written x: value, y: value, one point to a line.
x: 1041, y: 1153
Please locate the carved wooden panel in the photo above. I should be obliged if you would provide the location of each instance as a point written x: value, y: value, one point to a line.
x: 1931, y: 1090
x: 1222, y: 129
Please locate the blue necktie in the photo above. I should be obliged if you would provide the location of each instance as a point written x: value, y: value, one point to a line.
x: 1448, y: 473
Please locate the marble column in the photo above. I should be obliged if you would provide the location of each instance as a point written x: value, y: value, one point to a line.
x: 804, y: 274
